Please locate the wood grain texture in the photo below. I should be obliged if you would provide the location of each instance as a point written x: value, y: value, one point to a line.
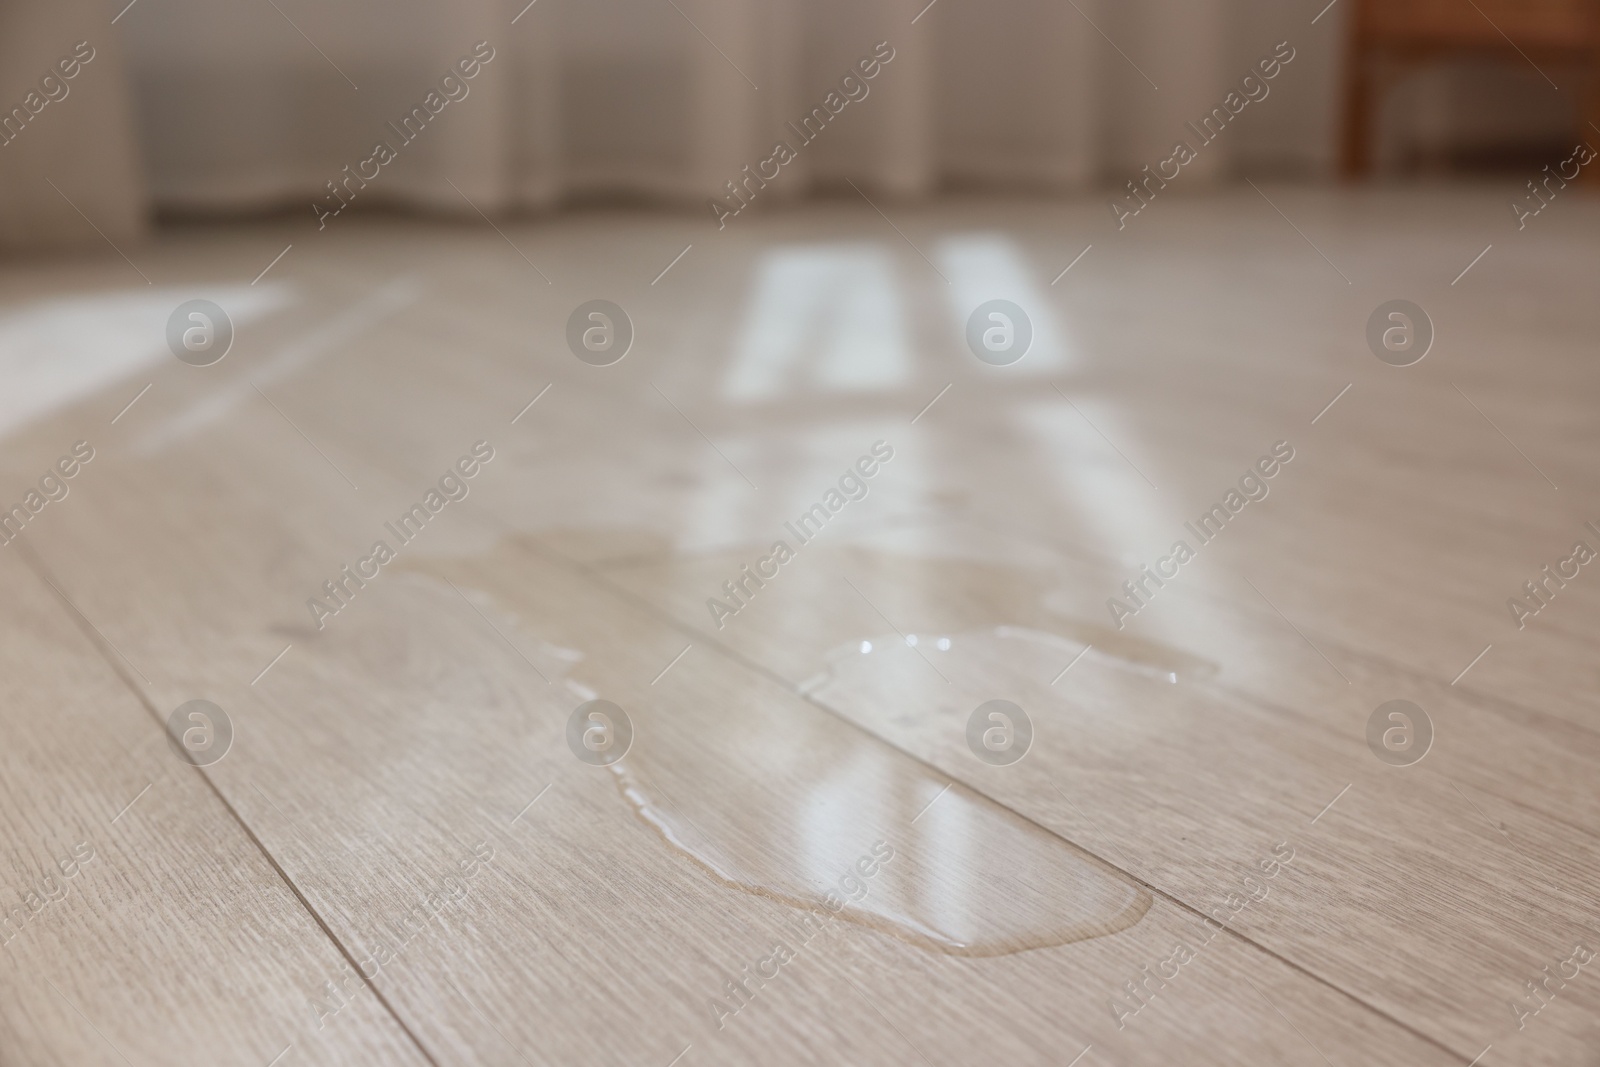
x: 1185, y: 780
x: 585, y: 911
x: 424, y: 725
x: 142, y: 921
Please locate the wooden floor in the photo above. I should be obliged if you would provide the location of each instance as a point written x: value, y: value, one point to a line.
x: 1200, y: 859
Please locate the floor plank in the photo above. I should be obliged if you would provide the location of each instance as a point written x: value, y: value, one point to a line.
x: 377, y: 753
x: 142, y: 921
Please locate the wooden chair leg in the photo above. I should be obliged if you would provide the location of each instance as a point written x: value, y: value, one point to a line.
x: 1355, y: 145
x: 1589, y: 123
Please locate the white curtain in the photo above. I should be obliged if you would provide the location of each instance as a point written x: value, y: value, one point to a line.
x: 249, y: 101
x: 69, y: 165
x: 248, y: 104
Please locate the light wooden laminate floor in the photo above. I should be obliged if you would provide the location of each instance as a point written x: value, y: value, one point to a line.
x: 402, y: 858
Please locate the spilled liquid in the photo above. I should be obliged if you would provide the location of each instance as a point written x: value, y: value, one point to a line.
x: 1023, y: 648
x: 775, y: 797
x: 1133, y: 651
x: 965, y: 876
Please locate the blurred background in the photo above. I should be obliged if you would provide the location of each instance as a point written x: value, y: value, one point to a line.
x: 230, y: 107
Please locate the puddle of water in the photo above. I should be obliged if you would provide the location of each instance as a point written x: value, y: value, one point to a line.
x: 1019, y: 646
x: 778, y: 798
x: 965, y: 876
x: 943, y: 596
x: 1157, y: 657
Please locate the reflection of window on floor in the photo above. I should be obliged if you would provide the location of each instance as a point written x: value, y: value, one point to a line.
x: 798, y: 467
x: 830, y: 317
x: 870, y: 792
x: 990, y: 266
x: 59, y: 351
x: 827, y: 318
x: 1110, y: 509
x: 1106, y: 507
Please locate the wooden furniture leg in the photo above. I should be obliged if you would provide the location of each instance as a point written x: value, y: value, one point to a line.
x: 1589, y: 121
x: 1356, y: 122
